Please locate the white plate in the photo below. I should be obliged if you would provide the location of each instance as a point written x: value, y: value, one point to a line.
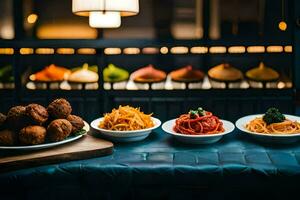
x: 273, y: 138
x: 125, y: 136
x: 197, y: 139
x: 47, y: 145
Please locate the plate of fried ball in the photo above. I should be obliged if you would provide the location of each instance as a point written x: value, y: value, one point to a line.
x: 34, y: 127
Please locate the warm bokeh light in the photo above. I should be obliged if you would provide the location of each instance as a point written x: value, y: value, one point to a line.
x: 256, y: 49
x: 131, y: 50
x: 112, y: 51
x: 288, y: 49
x: 217, y: 49
x: 164, y: 50
x: 199, y: 50
x: 44, y: 51
x: 26, y: 51
x: 179, y: 50
x: 7, y: 31
x: 237, y: 49
x: 281, y: 85
x: 86, y: 51
x: 105, y: 19
x: 7, y: 51
x: 186, y: 31
x: 282, y: 26
x: 65, y: 51
x: 274, y: 49
x: 150, y: 50
x: 32, y: 18
x: 66, y: 30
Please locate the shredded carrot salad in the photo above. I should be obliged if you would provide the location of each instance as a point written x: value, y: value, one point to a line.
x: 126, y: 118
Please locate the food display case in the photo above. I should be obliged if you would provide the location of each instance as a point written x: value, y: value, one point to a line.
x: 152, y: 96
x: 180, y: 95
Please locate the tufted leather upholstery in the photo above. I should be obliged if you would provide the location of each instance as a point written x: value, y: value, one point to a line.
x: 162, y: 168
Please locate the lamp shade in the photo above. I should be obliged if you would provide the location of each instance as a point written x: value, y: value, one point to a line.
x: 105, y: 19
x: 124, y: 7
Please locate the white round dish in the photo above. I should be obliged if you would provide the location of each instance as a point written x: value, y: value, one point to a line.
x: 47, y: 145
x: 124, y: 136
x: 197, y: 139
x: 270, y: 138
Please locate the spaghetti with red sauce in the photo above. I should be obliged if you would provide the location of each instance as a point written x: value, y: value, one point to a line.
x: 198, y: 122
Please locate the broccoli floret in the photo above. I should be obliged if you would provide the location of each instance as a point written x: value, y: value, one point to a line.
x: 273, y: 116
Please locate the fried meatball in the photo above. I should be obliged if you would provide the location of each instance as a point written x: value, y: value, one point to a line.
x: 37, y: 113
x: 59, y: 109
x: 16, y: 118
x: 2, y: 121
x: 59, y: 129
x: 8, y: 137
x: 76, y: 121
x: 32, y: 135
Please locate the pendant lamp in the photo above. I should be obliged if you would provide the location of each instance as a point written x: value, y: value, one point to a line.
x: 105, y: 19
x: 105, y: 13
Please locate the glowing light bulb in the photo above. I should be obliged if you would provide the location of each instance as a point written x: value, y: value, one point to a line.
x: 105, y: 19
x: 282, y: 26
x: 164, y: 50
x: 32, y: 18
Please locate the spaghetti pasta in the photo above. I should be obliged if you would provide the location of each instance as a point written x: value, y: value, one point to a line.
x: 258, y: 125
x: 197, y: 124
x: 126, y: 118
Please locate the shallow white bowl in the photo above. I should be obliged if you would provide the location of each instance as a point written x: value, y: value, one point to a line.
x: 124, y: 136
x: 270, y: 138
x: 197, y: 139
x: 47, y: 145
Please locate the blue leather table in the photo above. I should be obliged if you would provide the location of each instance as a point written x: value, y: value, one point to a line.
x: 159, y: 167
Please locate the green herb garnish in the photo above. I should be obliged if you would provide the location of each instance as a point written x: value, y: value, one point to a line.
x: 193, y: 113
x: 80, y: 132
x: 273, y: 115
x: 199, y: 112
